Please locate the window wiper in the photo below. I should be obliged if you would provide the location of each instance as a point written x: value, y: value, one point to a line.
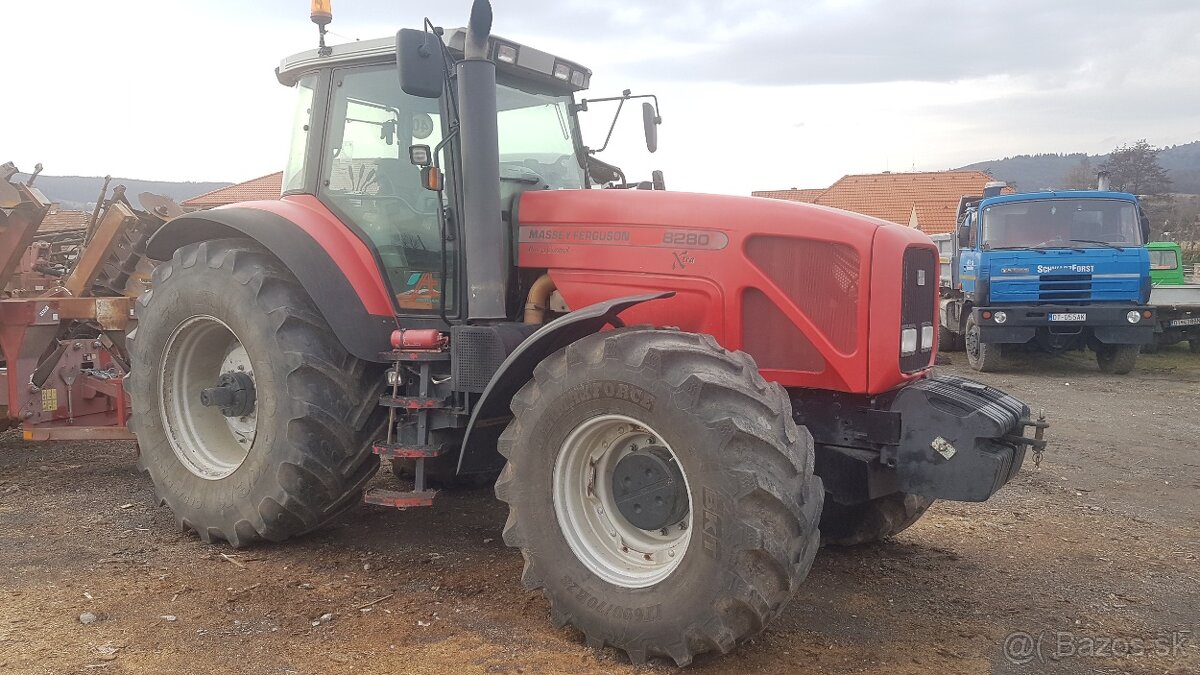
x: 1102, y: 243
x: 1014, y: 248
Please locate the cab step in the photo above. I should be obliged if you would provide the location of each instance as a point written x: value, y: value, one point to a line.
x: 411, y: 402
x: 399, y: 500
x: 401, y: 451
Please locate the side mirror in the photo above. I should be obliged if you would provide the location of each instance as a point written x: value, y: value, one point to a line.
x: 419, y: 63
x: 650, y: 120
x: 964, y: 235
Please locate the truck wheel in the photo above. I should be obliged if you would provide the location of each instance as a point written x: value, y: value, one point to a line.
x: 1194, y: 345
x: 252, y: 420
x: 1117, y: 359
x: 948, y: 340
x: 874, y: 520
x: 660, y: 493
x: 984, y: 357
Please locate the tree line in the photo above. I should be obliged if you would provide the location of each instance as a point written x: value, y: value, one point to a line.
x: 1134, y: 168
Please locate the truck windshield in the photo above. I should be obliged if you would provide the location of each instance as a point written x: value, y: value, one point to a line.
x: 1069, y: 223
x: 537, y: 137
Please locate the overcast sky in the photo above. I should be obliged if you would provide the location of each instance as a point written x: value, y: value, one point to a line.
x: 755, y: 94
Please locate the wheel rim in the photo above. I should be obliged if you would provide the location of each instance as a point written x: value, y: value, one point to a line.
x: 209, y: 444
x: 972, y: 341
x: 589, y: 516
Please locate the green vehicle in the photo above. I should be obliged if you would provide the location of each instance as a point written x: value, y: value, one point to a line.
x: 1177, y: 301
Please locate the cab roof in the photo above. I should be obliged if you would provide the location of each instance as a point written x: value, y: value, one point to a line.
x: 530, y: 62
x: 1057, y: 194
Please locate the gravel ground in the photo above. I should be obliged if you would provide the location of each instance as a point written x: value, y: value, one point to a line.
x: 1088, y: 565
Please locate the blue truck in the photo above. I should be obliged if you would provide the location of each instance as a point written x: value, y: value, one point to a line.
x: 1048, y: 271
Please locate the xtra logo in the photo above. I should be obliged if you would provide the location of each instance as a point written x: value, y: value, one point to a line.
x: 1082, y: 269
x: 682, y: 260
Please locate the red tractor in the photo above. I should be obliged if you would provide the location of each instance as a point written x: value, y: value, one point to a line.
x: 681, y: 394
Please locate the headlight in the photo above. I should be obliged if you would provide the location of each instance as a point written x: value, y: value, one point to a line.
x: 908, y: 341
x: 1000, y: 317
x: 562, y: 71
x: 393, y: 377
x: 576, y: 78
x: 1133, y: 316
x: 926, y: 337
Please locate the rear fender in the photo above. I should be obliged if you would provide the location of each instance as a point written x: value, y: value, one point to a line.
x: 491, y: 413
x: 331, y: 263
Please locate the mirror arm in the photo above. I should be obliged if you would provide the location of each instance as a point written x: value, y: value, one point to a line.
x: 613, y: 126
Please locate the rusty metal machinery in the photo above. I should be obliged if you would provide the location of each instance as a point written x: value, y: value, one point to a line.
x: 68, y: 305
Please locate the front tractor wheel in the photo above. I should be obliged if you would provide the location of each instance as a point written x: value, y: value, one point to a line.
x: 252, y: 420
x: 873, y: 520
x: 660, y: 493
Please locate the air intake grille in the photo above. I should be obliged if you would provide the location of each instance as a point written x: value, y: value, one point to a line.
x: 477, y: 355
x: 820, y: 277
x: 1059, y: 287
x: 773, y: 340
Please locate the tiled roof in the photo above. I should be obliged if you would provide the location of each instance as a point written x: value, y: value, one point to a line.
x: 891, y: 196
x: 58, y: 219
x: 807, y: 195
x: 936, y: 216
x: 265, y: 187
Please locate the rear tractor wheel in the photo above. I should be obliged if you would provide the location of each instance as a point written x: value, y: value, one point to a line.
x: 660, y: 493
x: 252, y: 420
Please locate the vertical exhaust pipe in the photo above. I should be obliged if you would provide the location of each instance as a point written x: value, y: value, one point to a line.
x: 1102, y: 181
x: 484, y: 239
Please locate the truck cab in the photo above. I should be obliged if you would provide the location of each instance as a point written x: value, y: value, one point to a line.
x: 1176, y: 302
x: 1050, y: 271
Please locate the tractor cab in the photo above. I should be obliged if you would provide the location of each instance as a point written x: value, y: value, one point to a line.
x: 389, y: 162
x: 359, y: 142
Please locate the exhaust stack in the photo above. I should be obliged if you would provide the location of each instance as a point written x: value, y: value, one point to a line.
x: 1102, y: 182
x: 485, y: 242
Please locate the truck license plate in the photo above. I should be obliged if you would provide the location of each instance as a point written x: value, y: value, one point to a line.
x: 1069, y: 317
x: 1195, y: 321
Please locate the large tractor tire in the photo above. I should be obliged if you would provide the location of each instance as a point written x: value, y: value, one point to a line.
x: 1117, y: 359
x: 660, y: 493
x: 984, y: 357
x: 252, y: 420
x: 871, y: 521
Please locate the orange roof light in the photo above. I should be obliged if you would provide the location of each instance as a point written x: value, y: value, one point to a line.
x: 322, y: 12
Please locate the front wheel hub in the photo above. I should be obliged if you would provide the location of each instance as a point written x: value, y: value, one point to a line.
x: 649, y: 489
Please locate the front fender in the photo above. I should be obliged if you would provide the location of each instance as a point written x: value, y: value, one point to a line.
x: 478, y: 453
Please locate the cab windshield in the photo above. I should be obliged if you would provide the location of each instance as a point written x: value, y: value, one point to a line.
x: 538, y: 137
x: 1066, y: 223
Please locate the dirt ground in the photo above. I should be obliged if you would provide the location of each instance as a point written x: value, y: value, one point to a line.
x: 1088, y: 565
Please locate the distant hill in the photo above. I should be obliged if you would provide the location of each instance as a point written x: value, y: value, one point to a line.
x: 1050, y: 171
x: 80, y: 192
